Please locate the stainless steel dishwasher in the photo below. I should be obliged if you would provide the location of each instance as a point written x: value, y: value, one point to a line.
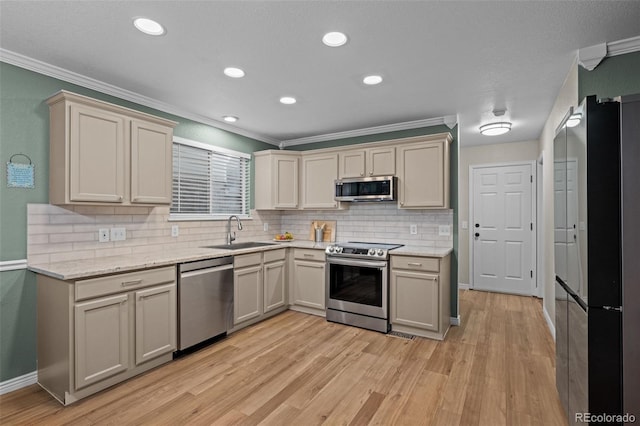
x: 205, y: 300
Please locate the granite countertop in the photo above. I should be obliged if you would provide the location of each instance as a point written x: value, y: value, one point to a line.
x: 79, y: 269
x: 85, y: 268
x: 421, y: 251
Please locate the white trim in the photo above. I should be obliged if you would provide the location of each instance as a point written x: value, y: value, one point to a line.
x: 464, y: 286
x: 622, y: 47
x: 540, y: 252
x: 370, y: 130
x: 19, y: 382
x: 208, y: 147
x: 71, y: 77
x: 534, y: 203
x: 454, y: 320
x: 547, y: 318
x: 13, y: 265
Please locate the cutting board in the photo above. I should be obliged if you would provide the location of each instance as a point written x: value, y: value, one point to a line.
x: 329, y: 234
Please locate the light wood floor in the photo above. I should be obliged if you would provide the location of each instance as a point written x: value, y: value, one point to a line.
x: 296, y: 369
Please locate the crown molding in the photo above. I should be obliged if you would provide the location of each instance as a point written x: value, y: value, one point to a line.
x: 590, y: 57
x: 371, y: 130
x: 622, y: 47
x: 71, y: 77
x: 13, y: 265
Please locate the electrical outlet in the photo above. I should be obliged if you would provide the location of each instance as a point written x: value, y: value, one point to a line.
x: 103, y: 235
x: 118, y: 234
x: 443, y: 230
x: 265, y: 227
x: 175, y: 230
x: 413, y: 229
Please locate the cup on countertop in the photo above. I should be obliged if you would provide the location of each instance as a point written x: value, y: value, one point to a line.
x: 319, y: 235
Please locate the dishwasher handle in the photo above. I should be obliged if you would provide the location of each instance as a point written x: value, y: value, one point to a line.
x: 205, y: 271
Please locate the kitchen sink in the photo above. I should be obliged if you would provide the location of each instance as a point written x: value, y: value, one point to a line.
x: 240, y: 246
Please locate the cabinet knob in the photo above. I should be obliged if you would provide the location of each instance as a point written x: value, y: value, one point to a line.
x: 361, y: 174
x: 370, y: 173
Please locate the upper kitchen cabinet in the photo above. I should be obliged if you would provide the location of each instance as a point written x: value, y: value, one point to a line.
x: 319, y: 172
x: 380, y: 161
x: 104, y: 154
x: 423, y: 173
x: 276, y: 180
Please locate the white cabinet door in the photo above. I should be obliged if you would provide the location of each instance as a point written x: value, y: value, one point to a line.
x: 423, y: 175
x: 96, y: 155
x: 319, y: 173
x: 155, y: 322
x: 151, y: 163
x: 101, y: 339
x: 381, y: 161
x: 414, y: 299
x: 309, y: 283
x: 274, y: 285
x: 247, y: 292
x: 285, y: 182
x: 351, y: 163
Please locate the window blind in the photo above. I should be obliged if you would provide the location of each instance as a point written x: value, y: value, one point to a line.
x: 209, y: 182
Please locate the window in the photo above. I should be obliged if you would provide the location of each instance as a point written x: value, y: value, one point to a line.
x: 208, y: 182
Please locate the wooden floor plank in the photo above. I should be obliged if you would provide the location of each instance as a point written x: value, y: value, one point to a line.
x: 498, y: 368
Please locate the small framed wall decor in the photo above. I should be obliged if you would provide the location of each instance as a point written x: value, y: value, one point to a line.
x: 20, y: 175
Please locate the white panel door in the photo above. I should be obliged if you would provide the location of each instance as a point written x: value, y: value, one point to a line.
x: 502, y: 229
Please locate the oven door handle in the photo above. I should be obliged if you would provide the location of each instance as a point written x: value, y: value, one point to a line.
x: 357, y: 262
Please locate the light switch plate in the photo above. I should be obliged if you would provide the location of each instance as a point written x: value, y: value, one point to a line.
x: 413, y: 229
x: 175, y: 231
x: 443, y: 230
x: 118, y: 234
x: 103, y: 235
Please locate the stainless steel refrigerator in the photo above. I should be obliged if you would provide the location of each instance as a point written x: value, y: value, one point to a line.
x: 597, y: 260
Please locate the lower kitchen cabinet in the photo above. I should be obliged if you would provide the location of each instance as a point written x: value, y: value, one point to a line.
x: 309, y: 281
x: 419, y: 295
x: 259, y: 286
x: 94, y: 333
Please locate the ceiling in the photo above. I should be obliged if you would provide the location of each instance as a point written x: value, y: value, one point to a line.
x: 438, y: 58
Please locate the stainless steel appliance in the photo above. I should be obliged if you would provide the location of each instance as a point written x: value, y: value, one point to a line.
x: 380, y: 188
x: 597, y: 247
x: 205, y: 300
x: 357, y: 283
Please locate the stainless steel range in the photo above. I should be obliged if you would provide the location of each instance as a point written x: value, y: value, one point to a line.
x: 358, y: 284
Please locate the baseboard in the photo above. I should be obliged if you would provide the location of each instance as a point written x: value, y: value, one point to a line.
x: 547, y: 318
x: 454, y: 320
x: 463, y: 286
x: 19, y: 382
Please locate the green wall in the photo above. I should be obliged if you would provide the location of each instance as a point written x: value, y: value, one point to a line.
x: 615, y: 76
x: 24, y: 128
x: 454, y: 161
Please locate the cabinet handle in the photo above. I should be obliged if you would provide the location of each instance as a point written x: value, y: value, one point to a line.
x: 414, y: 264
x: 361, y: 174
x: 128, y: 283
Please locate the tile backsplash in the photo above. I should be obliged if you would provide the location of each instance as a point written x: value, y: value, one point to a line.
x: 56, y: 234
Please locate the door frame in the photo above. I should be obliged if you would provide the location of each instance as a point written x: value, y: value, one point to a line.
x: 535, y: 285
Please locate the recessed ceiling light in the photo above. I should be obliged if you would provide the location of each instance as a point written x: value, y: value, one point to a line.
x: 288, y: 100
x: 495, y: 129
x: 233, y: 72
x: 149, y: 26
x: 372, y: 80
x: 230, y: 118
x: 334, y: 39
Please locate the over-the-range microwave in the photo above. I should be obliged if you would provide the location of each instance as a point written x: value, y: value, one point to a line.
x: 379, y: 188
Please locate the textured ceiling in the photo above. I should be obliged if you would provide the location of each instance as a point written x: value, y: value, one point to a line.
x: 438, y: 59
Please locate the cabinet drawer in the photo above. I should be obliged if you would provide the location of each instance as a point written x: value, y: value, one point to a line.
x: 247, y: 260
x: 273, y: 255
x: 310, y: 254
x: 111, y: 284
x: 415, y: 263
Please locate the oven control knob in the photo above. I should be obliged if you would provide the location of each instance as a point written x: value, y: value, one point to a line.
x: 330, y: 248
x: 380, y: 252
x: 338, y: 249
x: 372, y: 252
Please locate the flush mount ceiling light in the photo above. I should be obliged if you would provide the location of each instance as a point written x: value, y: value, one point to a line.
x: 288, y: 100
x: 334, y: 39
x: 372, y: 80
x: 149, y: 26
x: 233, y: 72
x: 574, y: 119
x: 230, y: 118
x: 495, y: 129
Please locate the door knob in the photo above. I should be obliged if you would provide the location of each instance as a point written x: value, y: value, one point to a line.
x: 477, y: 225
x: 477, y: 234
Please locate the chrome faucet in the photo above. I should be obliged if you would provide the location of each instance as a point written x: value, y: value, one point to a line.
x: 231, y: 238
